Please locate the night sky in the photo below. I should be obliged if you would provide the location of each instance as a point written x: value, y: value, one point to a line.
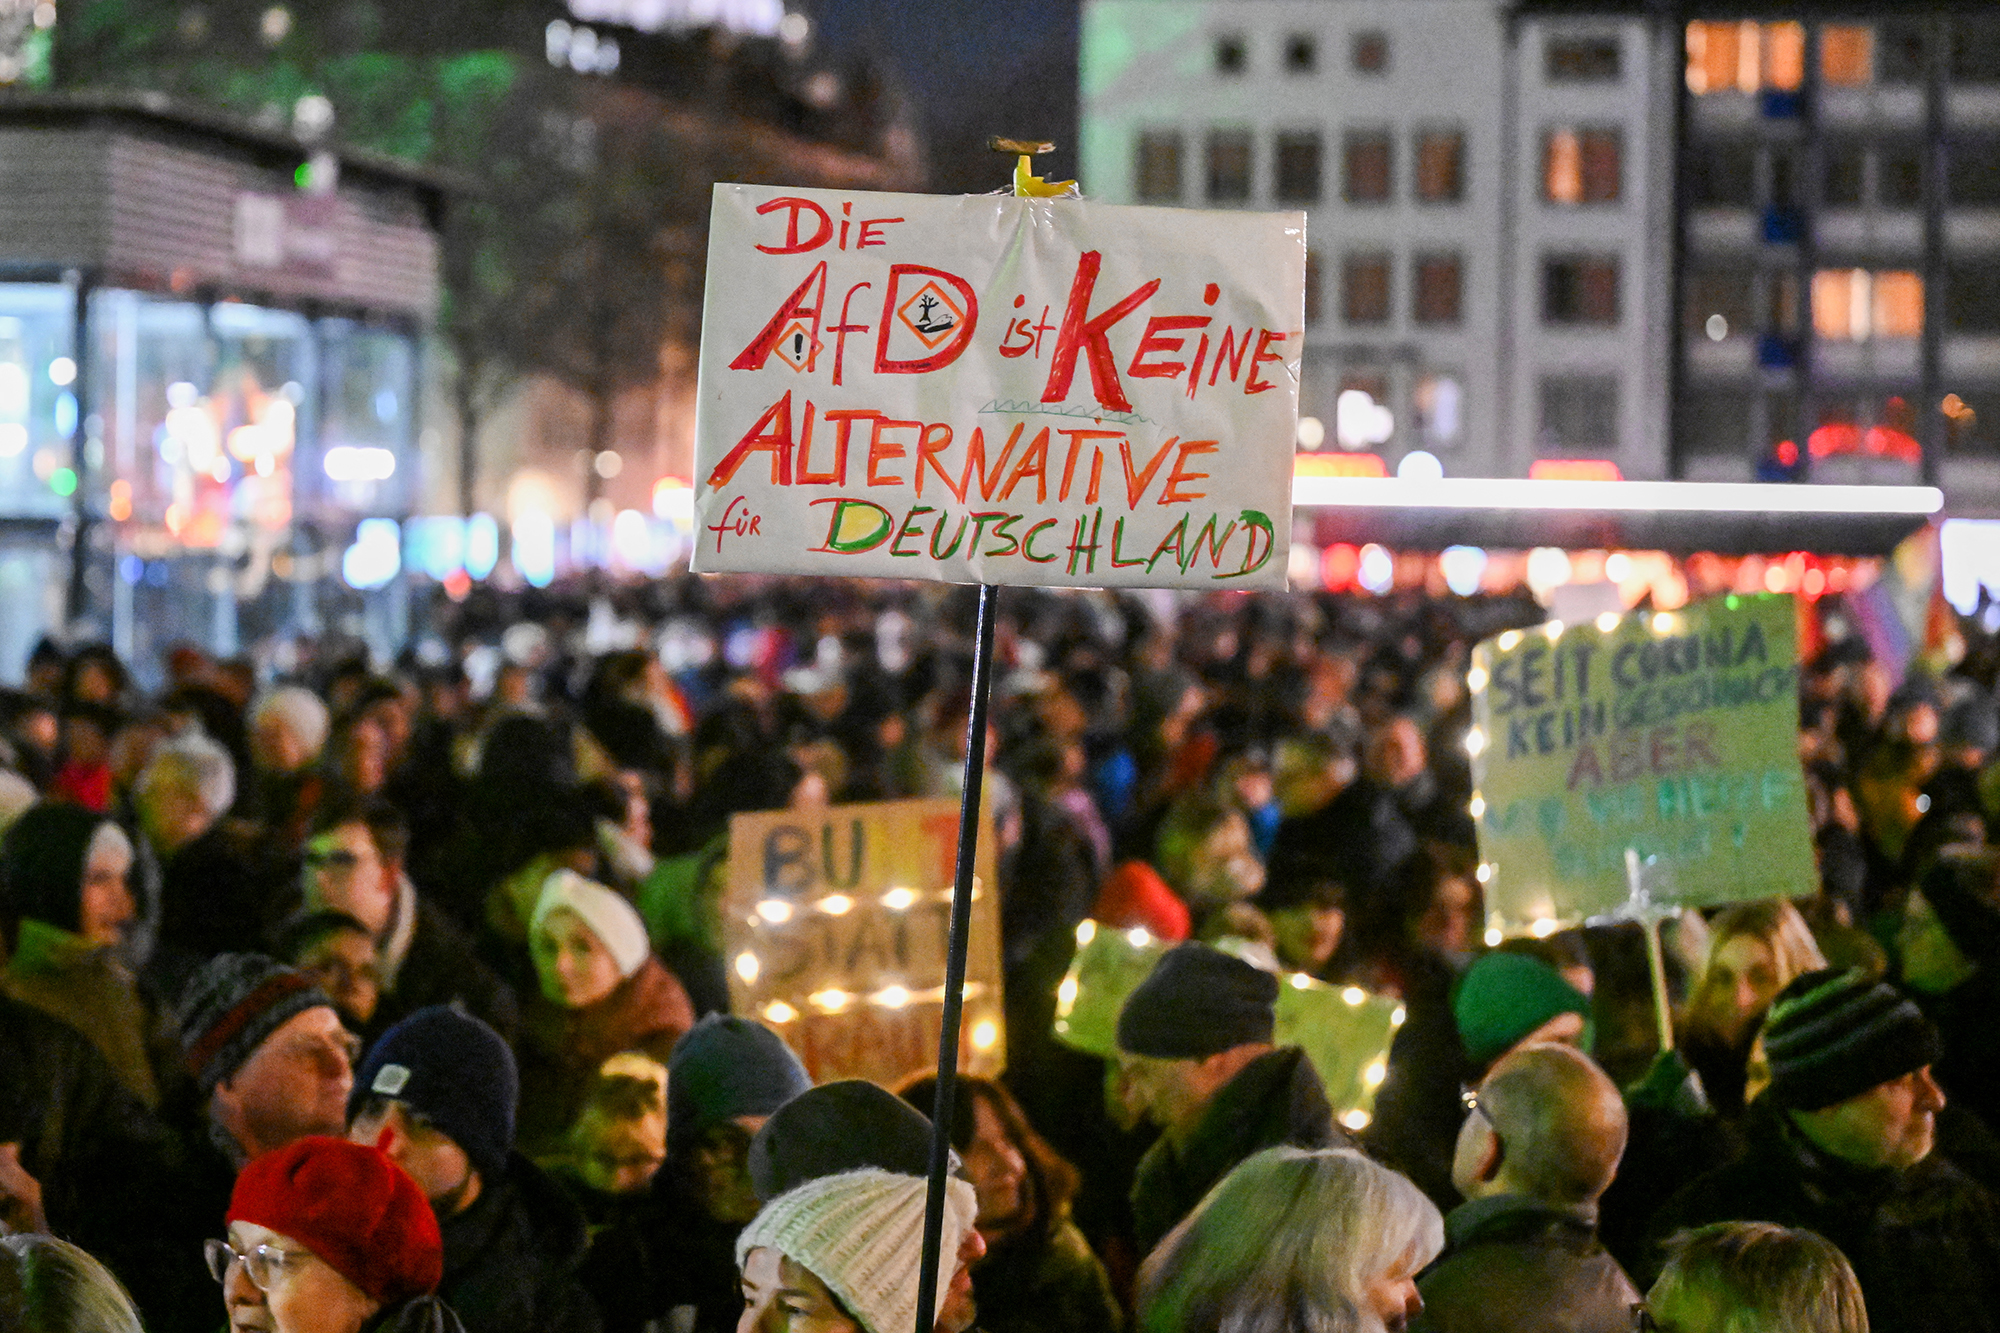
x: 971, y: 68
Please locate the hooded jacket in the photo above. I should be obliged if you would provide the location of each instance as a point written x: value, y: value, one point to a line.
x: 1275, y: 1099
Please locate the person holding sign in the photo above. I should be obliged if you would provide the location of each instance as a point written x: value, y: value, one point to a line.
x: 1842, y: 1144
x: 1195, y: 1058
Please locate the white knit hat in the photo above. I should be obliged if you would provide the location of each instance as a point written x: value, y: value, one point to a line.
x: 610, y: 917
x: 862, y: 1233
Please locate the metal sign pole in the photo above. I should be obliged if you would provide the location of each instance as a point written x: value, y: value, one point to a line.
x: 954, y: 972
x: 1026, y: 184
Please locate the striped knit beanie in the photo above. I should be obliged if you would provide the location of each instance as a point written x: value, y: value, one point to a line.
x: 1832, y: 1035
x: 232, y: 1005
x: 862, y: 1233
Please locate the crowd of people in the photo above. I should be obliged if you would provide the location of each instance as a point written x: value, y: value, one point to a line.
x: 394, y: 997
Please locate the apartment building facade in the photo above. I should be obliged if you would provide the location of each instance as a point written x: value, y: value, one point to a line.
x: 1487, y: 197
x: 1701, y: 240
x: 1840, y: 246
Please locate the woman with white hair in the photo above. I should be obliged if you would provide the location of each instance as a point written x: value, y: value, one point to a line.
x: 51, y: 1286
x: 1295, y: 1240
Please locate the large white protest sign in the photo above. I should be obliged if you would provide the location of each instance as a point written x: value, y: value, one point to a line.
x: 981, y: 389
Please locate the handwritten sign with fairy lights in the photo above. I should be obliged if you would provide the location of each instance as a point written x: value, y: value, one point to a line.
x: 981, y: 389
x: 1672, y: 735
x: 835, y: 925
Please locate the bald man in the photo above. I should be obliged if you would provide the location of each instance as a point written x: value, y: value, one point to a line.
x: 1541, y: 1141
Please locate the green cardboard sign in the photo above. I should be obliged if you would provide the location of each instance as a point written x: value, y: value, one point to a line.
x: 1673, y: 734
x: 1345, y: 1031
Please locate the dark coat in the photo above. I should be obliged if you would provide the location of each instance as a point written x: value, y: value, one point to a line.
x: 1275, y: 1099
x: 1513, y: 1264
x: 109, y: 1170
x: 217, y: 895
x: 1045, y: 1282
x: 562, y: 1049
x: 444, y: 967
x: 511, y: 1260
x: 1359, y: 838
x: 1924, y: 1243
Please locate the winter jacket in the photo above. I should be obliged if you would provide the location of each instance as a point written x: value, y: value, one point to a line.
x: 1275, y: 1099
x: 104, y: 1162
x: 1046, y: 1282
x: 511, y: 1259
x: 1924, y: 1243
x: 85, y: 985
x: 562, y: 1049
x: 1513, y: 1264
x: 442, y: 966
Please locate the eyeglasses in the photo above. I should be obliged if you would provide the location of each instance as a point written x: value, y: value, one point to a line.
x: 263, y: 1264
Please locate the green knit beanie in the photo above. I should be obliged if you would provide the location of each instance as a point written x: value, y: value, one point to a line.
x: 1505, y: 996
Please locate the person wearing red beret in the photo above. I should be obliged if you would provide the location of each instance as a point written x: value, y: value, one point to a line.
x: 327, y: 1236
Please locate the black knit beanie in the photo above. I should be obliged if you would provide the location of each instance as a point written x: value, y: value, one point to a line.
x: 41, y: 864
x: 1832, y: 1035
x: 836, y: 1127
x: 1198, y: 1002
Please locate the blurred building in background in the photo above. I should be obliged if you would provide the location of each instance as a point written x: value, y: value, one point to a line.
x: 209, y: 371
x: 298, y: 297
x: 1557, y: 237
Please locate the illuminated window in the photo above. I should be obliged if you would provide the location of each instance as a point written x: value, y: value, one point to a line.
x: 1228, y: 166
x: 1581, y: 166
x: 1440, y: 166
x: 1367, y: 167
x: 1435, y: 291
x: 1899, y: 304
x: 1580, y: 289
x: 1158, y: 166
x: 1854, y: 305
x: 1364, y: 288
x: 1846, y: 55
x: 1437, y: 410
x: 1297, y: 164
x: 1745, y: 57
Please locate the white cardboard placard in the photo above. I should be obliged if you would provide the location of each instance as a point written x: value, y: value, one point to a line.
x: 986, y: 389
